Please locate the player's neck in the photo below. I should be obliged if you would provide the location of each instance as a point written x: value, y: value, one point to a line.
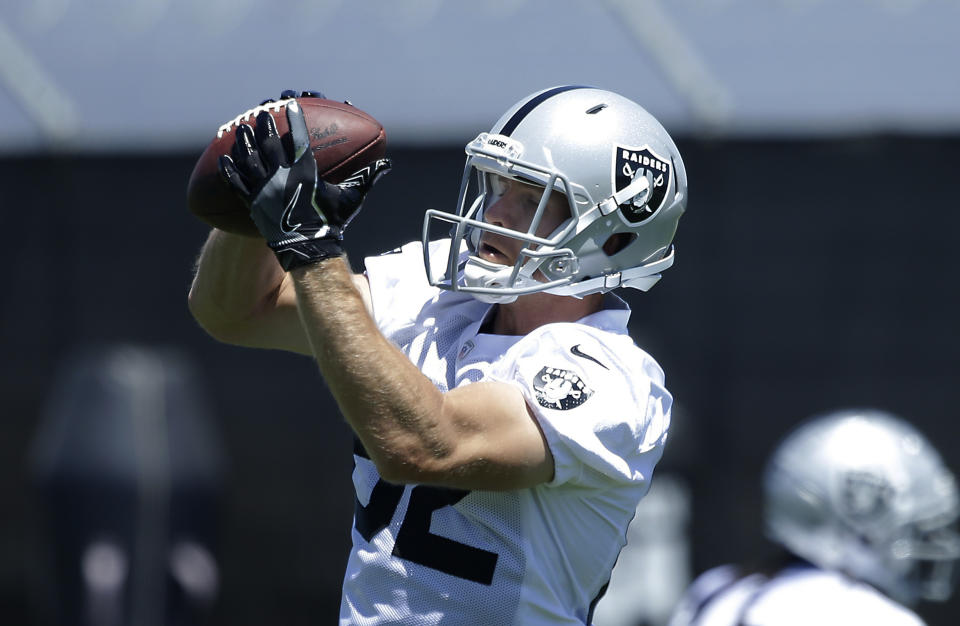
x: 527, y: 313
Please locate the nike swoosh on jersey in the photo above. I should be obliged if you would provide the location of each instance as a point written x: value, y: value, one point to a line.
x: 576, y: 351
x: 285, y: 224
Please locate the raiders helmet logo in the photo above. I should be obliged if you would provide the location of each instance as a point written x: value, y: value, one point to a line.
x: 560, y: 389
x: 864, y: 495
x: 628, y: 163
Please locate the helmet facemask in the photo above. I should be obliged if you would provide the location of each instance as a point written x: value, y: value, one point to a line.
x: 543, y: 263
x: 925, y: 557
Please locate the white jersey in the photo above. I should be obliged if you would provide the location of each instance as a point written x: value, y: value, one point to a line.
x: 799, y: 595
x: 425, y: 555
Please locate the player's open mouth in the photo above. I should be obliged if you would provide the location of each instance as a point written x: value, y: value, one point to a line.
x: 491, y: 253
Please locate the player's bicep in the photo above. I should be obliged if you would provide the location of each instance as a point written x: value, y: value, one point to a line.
x: 499, y: 444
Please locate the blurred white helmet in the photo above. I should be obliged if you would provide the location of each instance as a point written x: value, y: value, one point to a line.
x: 863, y: 492
x: 620, y: 172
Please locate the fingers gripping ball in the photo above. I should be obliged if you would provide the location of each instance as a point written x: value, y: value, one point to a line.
x: 301, y: 217
x: 343, y: 139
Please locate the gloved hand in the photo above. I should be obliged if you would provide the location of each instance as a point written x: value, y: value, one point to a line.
x: 301, y: 217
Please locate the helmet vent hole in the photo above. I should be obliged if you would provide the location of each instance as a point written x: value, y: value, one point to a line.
x: 596, y: 109
x: 617, y: 242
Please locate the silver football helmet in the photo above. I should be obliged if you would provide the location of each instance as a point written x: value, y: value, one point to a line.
x: 619, y: 171
x: 863, y: 492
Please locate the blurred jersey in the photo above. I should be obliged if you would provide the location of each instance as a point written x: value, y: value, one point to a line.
x: 798, y: 595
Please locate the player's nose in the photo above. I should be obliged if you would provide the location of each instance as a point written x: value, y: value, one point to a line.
x: 501, y: 212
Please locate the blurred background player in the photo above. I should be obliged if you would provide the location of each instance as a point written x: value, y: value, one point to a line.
x: 865, y: 512
x: 506, y: 423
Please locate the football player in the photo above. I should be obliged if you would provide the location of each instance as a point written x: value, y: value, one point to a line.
x: 506, y: 424
x: 865, y: 513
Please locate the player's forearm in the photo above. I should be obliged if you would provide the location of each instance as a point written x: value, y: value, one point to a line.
x: 236, y: 279
x: 394, y: 409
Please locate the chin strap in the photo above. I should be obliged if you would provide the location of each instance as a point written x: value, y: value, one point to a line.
x: 639, y: 185
x: 481, y: 274
x: 646, y: 276
x: 642, y: 278
x: 478, y: 273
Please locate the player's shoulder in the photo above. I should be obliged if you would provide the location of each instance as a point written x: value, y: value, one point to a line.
x: 701, y: 591
x: 713, y: 580
x: 405, y: 264
x: 407, y: 254
x: 597, y: 349
x: 623, y: 383
x: 841, y: 600
x: 718, y: 597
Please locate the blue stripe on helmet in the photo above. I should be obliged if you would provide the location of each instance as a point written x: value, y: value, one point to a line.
x: 533, y: 103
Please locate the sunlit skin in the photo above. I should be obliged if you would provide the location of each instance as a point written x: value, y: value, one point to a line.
x: 514, y: 209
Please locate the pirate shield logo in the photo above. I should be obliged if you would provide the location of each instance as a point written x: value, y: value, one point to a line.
x: 864, y: 495
x: 560, y: 389
x: 628, y: 163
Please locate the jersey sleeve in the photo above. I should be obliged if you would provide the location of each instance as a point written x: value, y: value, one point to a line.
x: 398, y: 284
x: 599, y: 400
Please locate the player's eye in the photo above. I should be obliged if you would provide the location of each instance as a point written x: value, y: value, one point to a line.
x: 531, y: 198
x: 499, y: 185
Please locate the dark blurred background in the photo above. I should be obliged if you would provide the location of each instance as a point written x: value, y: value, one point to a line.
x: 816, y: 267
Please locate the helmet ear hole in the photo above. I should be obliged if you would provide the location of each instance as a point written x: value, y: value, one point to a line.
x: 617, y: 242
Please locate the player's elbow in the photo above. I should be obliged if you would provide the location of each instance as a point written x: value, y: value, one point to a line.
x: 414, y: 474
x: 413, y: 464
x: 211, y: 319
x: 401, y: 469
x: 396, y: 473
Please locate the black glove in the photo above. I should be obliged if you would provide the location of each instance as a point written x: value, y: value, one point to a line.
x: 301, y: 217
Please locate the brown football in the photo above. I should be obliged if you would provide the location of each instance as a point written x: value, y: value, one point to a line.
x: 342, y: 137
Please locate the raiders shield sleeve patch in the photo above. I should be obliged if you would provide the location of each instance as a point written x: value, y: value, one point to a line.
x: 560, y: 389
